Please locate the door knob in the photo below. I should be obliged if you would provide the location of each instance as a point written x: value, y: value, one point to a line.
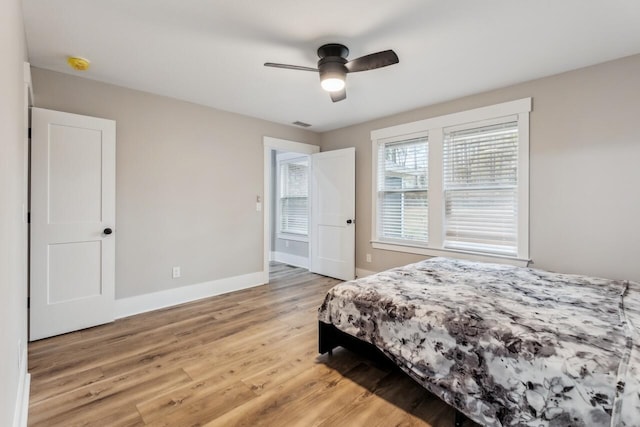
x: 349, y: 221
x: 107, y: 231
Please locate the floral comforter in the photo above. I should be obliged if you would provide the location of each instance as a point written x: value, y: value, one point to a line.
x: 507, y: 346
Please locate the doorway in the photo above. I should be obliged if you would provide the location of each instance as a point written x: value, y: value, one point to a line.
x: 330, y: 203
x: 286, y: 202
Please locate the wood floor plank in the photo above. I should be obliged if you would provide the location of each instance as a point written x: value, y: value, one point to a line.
x: 202, y: 401
x: 240, y: 359
x: 46, y: 388
x: 244, y: 358
x: 86, y: 357
x: 90, y: 404
x: 268, y: 409
x: 293, y: 361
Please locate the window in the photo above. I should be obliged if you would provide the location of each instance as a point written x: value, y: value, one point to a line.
x: 293, y: 189
x: 455, y: 184
x: 481, y: 188
x: 403, y: 189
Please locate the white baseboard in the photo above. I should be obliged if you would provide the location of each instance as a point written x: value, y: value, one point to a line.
x: 295, y: 260
x: 21, y: 411
x: 363, y: 273
x: 142, y: 303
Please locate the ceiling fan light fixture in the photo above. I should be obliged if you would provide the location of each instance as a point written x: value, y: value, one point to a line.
x: 332, y: 83
x: 333, y: 73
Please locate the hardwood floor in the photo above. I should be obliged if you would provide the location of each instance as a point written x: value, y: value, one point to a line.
x: 243, y: 359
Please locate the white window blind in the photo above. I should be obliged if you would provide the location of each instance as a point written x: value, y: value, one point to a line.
x: 403, y: 190
x: 481, y: 188
x: 294, y: 188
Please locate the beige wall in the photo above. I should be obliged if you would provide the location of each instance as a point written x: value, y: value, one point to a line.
x: 13, y: 286
x: 584, y: 169
x: 187, y: 180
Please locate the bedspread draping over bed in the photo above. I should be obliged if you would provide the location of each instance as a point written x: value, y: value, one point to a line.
x: 504, y: 345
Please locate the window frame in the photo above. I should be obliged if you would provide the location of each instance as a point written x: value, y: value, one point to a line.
x: 434, y: 129
x: 284, y: 158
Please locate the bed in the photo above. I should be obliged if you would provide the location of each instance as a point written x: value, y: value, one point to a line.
x: 503, y: 345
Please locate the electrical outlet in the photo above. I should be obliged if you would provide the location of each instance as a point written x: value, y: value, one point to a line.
x: 175, y: 273
x: 368, y: 257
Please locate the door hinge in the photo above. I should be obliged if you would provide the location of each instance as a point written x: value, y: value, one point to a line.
x: 28, y: 217
x: 28, y: 302
x: 29, y: 133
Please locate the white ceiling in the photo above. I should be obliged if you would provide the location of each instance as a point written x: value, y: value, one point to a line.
x: 211, y: 52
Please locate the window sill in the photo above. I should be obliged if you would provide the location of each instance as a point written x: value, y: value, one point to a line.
x: 471, y: 256
x: 295, y: 237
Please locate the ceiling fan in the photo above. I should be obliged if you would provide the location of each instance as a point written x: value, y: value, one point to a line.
x: 333, y: 67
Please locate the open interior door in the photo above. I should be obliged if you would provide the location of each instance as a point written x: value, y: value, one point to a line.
x: 333, y: 183
x: 72, y: 222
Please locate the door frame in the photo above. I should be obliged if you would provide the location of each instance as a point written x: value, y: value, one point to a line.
x: 271, y: 144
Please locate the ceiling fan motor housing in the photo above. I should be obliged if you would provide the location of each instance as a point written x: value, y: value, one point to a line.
x: 333, y: 49
x: 332, y: 67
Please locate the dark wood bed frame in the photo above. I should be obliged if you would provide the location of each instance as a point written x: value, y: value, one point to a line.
x: 330, y: 337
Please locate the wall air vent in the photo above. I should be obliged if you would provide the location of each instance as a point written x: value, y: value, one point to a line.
x: 301, y: 124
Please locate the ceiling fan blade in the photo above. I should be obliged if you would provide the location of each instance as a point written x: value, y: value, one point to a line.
x: 372, y: 61
x: 290, y: 67
x: 339, y: 95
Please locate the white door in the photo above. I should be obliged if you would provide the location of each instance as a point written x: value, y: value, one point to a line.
x: 72, y: 222
x: 333, y: 184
